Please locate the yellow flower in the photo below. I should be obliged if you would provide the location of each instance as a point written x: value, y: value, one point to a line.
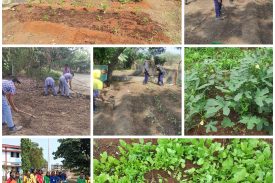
x: 257, y: 66
x: 202, y: 122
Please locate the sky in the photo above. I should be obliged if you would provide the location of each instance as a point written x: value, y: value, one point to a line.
x: 43, y: 142
x: 173, y: 50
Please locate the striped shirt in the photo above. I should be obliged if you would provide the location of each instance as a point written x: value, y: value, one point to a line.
x: 8, y: 87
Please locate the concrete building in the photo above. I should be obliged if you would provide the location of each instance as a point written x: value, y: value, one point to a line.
x: 57, y: 167
x: 11, y: 159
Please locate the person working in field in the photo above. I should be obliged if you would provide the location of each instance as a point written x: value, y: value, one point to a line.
x: 146, y: 72
x: 8, y: 92
x: 49, y: 84
x: 218, y: 8
x: 67, y: 69
x: 65, y: 84
x: 161, y: 73
x: 97, y: 86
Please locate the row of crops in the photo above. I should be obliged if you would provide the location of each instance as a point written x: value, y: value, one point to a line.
x: 187, y: 160
x: 229, y: 88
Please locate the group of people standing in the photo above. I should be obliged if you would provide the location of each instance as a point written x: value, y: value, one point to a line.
x: 9, y: 90
x: 37, y: 176
x: 161, y: 73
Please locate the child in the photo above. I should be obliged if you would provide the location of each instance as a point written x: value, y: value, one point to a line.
x: 46, y: 178
x: 49, y: 84
x: 8, y: 92
x: 53, y: 177
x: 218, y: 8
x: 39, y: 177
x: 18, y: 178
x: 63, y: 177
x: 97, y: 86
x: 65, y: 83
x: 87, y: 179
x: 146, y: 72
x: 26, y: 177
x: 161, y: 74
x: 66, y: 69
x: 81, y: 178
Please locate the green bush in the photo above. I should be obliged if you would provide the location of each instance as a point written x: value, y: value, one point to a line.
x: 218, y: 82
x: 52, y: 73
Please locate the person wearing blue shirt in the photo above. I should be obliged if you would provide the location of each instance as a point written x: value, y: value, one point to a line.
x: 8, y: 92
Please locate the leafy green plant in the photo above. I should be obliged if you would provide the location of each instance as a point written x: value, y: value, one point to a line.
x: 248, y: 160
x: 223, y: 82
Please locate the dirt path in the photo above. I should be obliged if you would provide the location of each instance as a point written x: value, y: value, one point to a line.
x: 139, y: 110
x: 246, y: 22
x: 81, y: 83
x: 137, y: 23
x: 55, y: 115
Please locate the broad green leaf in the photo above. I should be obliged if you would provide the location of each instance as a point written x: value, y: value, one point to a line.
x: 228, y: 163
x: 238, y: 97
x: 200, y: 161
x: 240, y: 175
x: 226, y: 110
x: 261, y: 96
x: 211, y: 126
x: 226, y: 122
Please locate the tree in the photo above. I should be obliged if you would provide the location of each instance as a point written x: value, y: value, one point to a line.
x: 32, y: 155
x: 26, y: 153
x: 108, y: 56
x: 76, y: 154
x: 41, y: 62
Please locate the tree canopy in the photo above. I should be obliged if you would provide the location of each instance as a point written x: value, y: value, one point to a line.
x: 39, y: 62
x: 32, y: 155
x: 76, y: 154
x: 124, y: 58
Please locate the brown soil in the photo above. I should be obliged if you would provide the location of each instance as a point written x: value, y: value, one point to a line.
x: 246, y: 22
x: 110, y: 146
x: 54, y: 115
x: 67, y: 24
x: 137, y: 109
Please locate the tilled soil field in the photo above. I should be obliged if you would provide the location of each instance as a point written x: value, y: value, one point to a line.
x: 245, y: 22
x: 69, y: 24
x: 55, y: 115
x: 135, y: 109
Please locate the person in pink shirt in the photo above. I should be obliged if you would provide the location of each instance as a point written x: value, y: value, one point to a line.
x: 67, y: 69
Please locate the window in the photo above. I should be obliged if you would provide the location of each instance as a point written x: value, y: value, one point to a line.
x: 14, y: 154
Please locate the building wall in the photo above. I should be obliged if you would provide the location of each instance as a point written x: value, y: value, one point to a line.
x: 10, y: 159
